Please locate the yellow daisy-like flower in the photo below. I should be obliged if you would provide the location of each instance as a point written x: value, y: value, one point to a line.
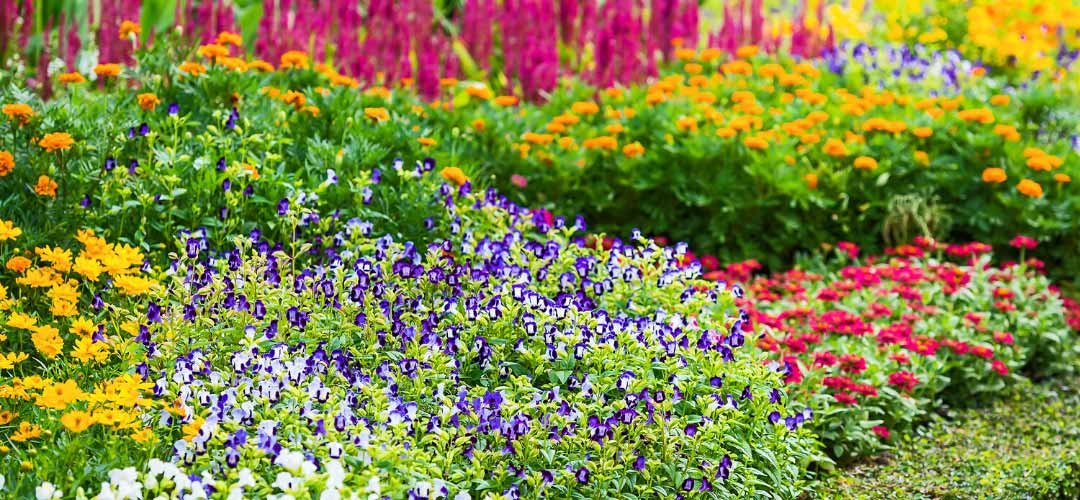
x: 77, y: 421
x: 8, y: 231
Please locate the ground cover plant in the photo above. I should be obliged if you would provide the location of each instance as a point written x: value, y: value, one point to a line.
x: 242, y: 265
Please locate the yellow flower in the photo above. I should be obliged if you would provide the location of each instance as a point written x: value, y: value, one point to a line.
x: 128, y: 28
x: 454, y: 174
x: 1030, y: 188
x: 39, y: 278
x: 9, y: 360
x: 8, y: 231
x: 133, y: 285
x: 148, y: 101
x: 865, y: 162
x: 633, y: 150
x: 86, y: 349
x: 6, y: 416
x: 21, y: 321
x: 191, y: 429
x: 19, y: 112
x: 64, y: 291
x: 107, y: 70
x: 7, y: 163
x: 229, y: 38
x: 193, y: 68
x: 922, y: 158
x: 56, y: 140
x: 58, y: 258
x: 294, y: 59
x: 142, y: 436
x: 63, y: 309
x: 26, y: 432
x: 73, y: 77
x: 88, y: 268
x: 922, y: 132
x: 47, y: 341
x: 76, y: 421
x: 377, y: 114
x: 585, y: 108
x: 994, y: 175
x: 57, y: 396
x: 82, y: 327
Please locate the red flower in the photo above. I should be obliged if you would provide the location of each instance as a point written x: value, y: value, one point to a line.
x: 709, y: 262
x: 881, y: 430
x: 837, y: 383
x: 845, y: 398
x: 1003, y: 293
x: 1003, y: 338
x: 824, y: 358
x: 900, y: 358
x: 1023, y: 242
x: 999, y: 367
x: 794, y: 374
x: 865, y: 389
x: 852, y: 363
x: 904, y: 380
x: 982, y: 352
x: 850, y: 248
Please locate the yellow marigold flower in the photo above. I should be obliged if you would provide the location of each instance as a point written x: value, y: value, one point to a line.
x: 922, y: 132
x: 56, y: 140
x: 811, y: 180
x: 999, y: 100
x: 82, y: 327
x: 865, y: 162
x: 7, y: 163
x: 47, y: 341
x: 633, y: 150
x: 8, y: 231
x: 148, y: 101
x: 133, y: 285
x: 294, y: 59
x: 8, y: 361
x: 835, y: 148
x: 71, y: 78
x: 377, y: 114
x: 45, y: 187
x: 58, y: 258
x: 994, y: 175
x: 755, y: 142
x: 107, y: 70
x: 1030, y: 188
x: 18, y: 263
x: 193, y: 68
x: 26, y: 432
x: 922, y: 158
x: 585, y: 108
x: 747, y: 51
x: 229, y: 38
x: 21, y: 321
x: 76, y: 421
x: 128, y: 28
x: 19, y: 112
x: 260, y: 65
x: 426, y: 141
x: 454, y: 174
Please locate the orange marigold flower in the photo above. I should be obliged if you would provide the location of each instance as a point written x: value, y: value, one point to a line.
x: 56, y: 140
x: 18, y: 263
x: 726, y: 132
x: 686, y: 124
x: 73, y: 77
x: 454, y: 174
x: 601, y: 142
x: 193, y: 68
x: 994, y: 175
x: 426, y: 141
x: 20, y: 112
x: 213, y: 51
x: 754, y: 142
x: 107, y: 70
x: 632, y: 150
x: 585, y: 108
x: 478, y: 91
x: 746, y: 51
x: 45, y: 187
x: 7, y: 163
x: 1030, y: 188
x: 1062, y: 178
x: 296, y: 99
x: 128, y: 28
x: 922, y: 158
x: 865, y: 162
x: 922, y: 132
x: 811, y: 180
x: 229, y: 38
x: 478, y: 124
x: 377, y: 114
x: 981, y: 115
x: 999, y: 100
x: 294, y: 59
x: 835, y: 148
x: 260, y: 65
x: 148, y: 101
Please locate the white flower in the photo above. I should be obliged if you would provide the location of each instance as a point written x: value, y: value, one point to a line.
x: 285, y: 481
x: 463, y: 495
x: 246, y: 478
x: 335, y: 473
x: 106, y: 493
x: 2, y: 481
x: 330, y: 494
x: 46, y: 491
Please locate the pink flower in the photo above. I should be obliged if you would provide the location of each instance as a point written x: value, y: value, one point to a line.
x: 845, y: 398
x: 850, y: 248
x: 881, y: 431
x: 519, y: 180
x: 904, y: 380
x: 1023, y: 242
x: 709, y: 262
x: 999, y: 367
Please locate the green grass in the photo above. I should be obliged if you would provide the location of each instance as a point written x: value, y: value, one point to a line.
x: 1027, y: 446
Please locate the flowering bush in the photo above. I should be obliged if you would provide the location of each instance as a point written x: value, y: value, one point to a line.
x: 876, y: 342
